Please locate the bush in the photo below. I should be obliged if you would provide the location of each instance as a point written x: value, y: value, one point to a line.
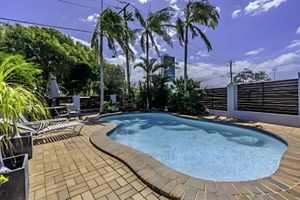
x: 109, y: 107
x: 189, y: 103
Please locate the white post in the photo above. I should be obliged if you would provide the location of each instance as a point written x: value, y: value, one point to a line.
x: 76, y: 103
x: 231, y: 98
x: 299, y: 93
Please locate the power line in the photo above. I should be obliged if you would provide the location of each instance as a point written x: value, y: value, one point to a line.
x: 85, y: 6
x: 209, y: 57
x: 76, y: 4
x: 46, y: 25
x: 125, y: 2
x: 212, y: 56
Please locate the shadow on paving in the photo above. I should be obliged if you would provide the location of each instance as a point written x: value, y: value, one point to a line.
x: 50, y: 139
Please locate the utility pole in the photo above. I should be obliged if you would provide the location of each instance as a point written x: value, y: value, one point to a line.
x: 274, y: 73
x: 231, y: 63
x: 127, y: 17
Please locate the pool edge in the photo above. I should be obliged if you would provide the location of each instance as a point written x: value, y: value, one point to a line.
x: 170, y: 182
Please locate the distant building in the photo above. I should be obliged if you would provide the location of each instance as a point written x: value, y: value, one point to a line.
x: 169, y: 63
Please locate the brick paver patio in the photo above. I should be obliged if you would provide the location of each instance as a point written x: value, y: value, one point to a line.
x: 70, y: 167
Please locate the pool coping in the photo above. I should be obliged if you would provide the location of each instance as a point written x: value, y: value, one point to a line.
x: 176, y: 185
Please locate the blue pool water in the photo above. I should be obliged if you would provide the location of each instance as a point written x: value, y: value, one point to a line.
x: 202, y: 149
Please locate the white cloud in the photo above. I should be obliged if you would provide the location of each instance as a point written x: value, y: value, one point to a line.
x: 257, y: 7
x: 281, y: 60
x: 84, y: 42
x: 293, y: 44
x: 175, y: 7
x: 172, y: 32
x: 218, y: 9
x: 298, y: 30
x: 143, y: 1
x: 236, y: 13
x: 202, y: 53
x: 92, y: 18
x: 172, y: 1
x: 254, y: 52
x: 215, y: 75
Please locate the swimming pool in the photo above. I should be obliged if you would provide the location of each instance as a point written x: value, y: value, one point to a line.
x: 202, y: 149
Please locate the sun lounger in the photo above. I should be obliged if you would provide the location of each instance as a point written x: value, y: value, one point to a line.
x: 44, y: 127
x: 69, y: 126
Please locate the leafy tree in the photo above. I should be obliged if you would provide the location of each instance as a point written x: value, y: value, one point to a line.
x: 51, y: 50
x: 141, y: 95
x: 187, y: 101
x: 114, y: 79
x: 157, y: 23
x: 248, y: 76
x: 113, y: 27
x: 199, y: 12
x: 150, y: 67
x: 160, y: 91
x: 78, y: 79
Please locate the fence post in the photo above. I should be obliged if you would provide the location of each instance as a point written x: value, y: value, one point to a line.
x: 299, y: 93
x: 231, y: 97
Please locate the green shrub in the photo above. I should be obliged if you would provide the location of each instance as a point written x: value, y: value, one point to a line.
x: 188, y: 102
x: 109, y: 107
x: 3, y: 179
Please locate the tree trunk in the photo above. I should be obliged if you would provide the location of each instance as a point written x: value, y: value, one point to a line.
x: 128, y: 74
x: 147, y: 78
x: 101, y: 74
x: 185, y: 58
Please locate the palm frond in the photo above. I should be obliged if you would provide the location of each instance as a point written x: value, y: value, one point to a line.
x: 205, y: 39
x: 113, y: 27
x: 180, y: 30
x: 140, y: 18
x: 157, y: 23
x: 153, y: 43
x: 202, y: 12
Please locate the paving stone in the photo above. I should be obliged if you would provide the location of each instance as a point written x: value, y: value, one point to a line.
x: 72, y: 168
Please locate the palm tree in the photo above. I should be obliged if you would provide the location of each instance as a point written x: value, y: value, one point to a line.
x: 199, y: 12
x: 16, y: 99
x: 158, y: 24
x: 112, y: 27
x: 150, y: 67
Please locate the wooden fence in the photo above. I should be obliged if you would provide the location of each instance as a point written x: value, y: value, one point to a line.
x: 272, y: 97
x: 216, y: 98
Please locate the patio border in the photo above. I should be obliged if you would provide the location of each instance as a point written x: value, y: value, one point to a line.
x: 176, y: 185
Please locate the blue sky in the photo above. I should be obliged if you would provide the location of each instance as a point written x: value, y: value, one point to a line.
x: 258, y: 34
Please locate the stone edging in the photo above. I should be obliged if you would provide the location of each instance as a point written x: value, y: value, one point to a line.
x: 176, y: 185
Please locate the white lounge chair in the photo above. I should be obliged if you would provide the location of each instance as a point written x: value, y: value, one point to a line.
x: 69, y: 126
x: 45, y: 127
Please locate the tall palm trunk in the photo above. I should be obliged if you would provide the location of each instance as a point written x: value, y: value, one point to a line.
x: 147, y: 75
x: 186, y: 41
x: 128, y: 74
x: 101, y: 74
x: 185, y: 58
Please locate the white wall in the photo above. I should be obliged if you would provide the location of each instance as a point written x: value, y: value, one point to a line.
x: 288, y: 120
x: 282, y: 119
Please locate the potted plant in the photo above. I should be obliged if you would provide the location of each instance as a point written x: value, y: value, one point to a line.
x: 16, y: 99
x: 15, y: 71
